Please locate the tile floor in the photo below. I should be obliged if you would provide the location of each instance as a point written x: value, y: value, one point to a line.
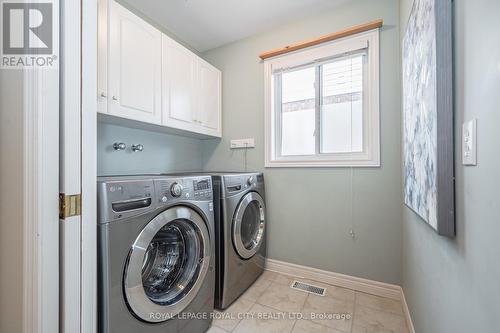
x: 270, y: 305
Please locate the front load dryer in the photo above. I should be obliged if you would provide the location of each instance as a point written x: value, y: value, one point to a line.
x: 240, y: 215
x: 155, y: 248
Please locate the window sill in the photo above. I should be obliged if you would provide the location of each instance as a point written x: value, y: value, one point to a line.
x: 323, y: 164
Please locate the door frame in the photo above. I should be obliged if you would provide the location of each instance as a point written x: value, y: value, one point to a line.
x: 40, y: 201
x: 40, y: 196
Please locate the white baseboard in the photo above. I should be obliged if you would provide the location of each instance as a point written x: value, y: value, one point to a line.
x: 345, y: 281
x: 341, y: 280
x: 406, y: 312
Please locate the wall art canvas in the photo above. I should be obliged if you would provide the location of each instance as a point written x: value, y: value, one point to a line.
x: 428, y: 114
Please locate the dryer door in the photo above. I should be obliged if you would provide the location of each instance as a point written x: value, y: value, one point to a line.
x: 167, y: 264
x: 248, y: 225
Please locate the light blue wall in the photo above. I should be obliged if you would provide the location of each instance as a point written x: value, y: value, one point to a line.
x: 309, y: 208
x: 162, y: 152
x: 453, y: 285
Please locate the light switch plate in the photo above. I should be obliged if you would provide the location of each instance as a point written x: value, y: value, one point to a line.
x: 469, y: 143
x: 243, y: 143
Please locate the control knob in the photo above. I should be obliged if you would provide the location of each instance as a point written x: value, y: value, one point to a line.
x: 176, y: 190
x: 251, y: 180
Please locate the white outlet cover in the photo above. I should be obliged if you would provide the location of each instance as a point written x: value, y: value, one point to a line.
x: 243, y: 143
x: 469, y: 142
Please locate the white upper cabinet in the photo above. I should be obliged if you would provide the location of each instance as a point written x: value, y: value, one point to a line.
x: 209, y: 102
x: 134, y: 65
x: 191, y: 91
x: 178, y: 85
x: 146, y: 76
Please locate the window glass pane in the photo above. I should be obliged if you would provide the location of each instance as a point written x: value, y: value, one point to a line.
x: 342, y: 106
x: 298, y: 112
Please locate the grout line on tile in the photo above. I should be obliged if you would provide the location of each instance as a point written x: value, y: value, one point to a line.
x: 293, y: 326
x: 354, y: 311
x: 263, y: 291
x: 271, y: 307
x: 376, y: 308
x: 304, y: 305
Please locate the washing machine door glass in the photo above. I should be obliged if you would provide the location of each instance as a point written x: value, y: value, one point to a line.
x: 167, y: 264
x: 248, y: 225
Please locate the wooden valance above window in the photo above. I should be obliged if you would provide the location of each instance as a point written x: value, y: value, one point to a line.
x: 323, y: 39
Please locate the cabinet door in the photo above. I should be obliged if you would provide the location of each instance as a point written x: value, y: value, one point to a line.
x: 209, y: 102
x: 178, y: 85
x: 134, y: 67
x: 102, y: 56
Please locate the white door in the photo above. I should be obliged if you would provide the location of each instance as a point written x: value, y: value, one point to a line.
x: 134, y: 64
x: 78, y: 169
x: 179, y: 90
x: 209, y: 102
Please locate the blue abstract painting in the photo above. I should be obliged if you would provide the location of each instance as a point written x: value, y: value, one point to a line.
x: 420, y: 112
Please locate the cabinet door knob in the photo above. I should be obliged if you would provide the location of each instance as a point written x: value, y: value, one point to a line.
x: 115, y: 98
x: 103, y: 95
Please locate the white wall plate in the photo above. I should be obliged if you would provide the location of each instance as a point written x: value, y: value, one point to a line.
x: 243, y: 143
x: 469, y: 143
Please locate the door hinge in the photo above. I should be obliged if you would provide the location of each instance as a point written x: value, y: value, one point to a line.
x: 69, y: 205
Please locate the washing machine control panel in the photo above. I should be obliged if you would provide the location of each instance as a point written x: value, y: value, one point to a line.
x: 203, y: 188
x: 121, y: 199
x: 189, y: 188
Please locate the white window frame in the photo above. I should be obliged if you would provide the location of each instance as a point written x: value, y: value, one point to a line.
x: 370, y: 157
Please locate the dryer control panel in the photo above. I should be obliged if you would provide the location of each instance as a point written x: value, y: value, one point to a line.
x: 237, y: 183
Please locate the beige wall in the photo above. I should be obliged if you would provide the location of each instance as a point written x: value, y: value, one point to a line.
x: 11, y: 183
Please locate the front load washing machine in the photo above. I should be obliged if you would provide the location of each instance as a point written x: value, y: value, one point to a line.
x: 156, y: 263
x: 240, y: 233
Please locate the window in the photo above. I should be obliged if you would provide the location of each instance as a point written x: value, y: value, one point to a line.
x: 322, y: 105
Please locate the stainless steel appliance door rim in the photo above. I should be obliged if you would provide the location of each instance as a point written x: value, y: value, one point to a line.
x: 135, y: 294
x: 241, y: 249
